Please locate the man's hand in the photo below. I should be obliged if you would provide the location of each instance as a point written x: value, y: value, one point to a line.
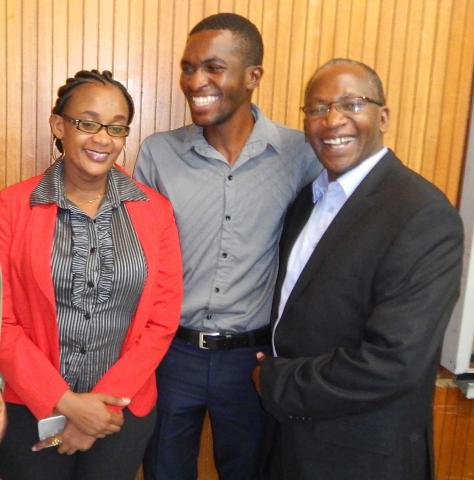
x: 69, y: 441
x: 3, y: 417
x: 89, y: 412
x: 256, y: 371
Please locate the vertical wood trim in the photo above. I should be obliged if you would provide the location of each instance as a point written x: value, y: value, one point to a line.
x: 14, y: 91
x: 3, y: 92
x: 281, y: 67
x: 135, y: 68
x: 75, y: 36
x: 164, y: 86
x: 44, y: 87
x: 423, y: 86
x: 91, y: 34
x: 29, y: 84
x: 149, y: 70
x: 105, y: 28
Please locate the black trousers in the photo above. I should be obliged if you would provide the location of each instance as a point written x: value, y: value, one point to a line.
x: 116, y: 457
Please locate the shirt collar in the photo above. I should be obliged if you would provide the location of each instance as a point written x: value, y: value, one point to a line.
x: 264, y: 133
x: 350, y: 180
x: 50, y: 189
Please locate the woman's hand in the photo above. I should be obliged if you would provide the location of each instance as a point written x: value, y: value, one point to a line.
x: 69, y: 441
x: 89, y: 412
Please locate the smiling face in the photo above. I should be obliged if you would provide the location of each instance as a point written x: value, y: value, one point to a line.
x: 342, y: 140
x: 89, y: 157
x: 214, y: 78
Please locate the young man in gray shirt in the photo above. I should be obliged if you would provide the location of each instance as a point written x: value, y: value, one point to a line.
x: 231, y: 176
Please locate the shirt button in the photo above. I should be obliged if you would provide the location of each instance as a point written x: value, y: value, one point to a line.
x: 224, y: 255
x: 93, y: 249
x: 90, y: 284
x: 209, y: 316
x: 217, y: 289
x: 82, y: 351
x: 87, y: 316
x: 227, y: 217
x: 230, y: 177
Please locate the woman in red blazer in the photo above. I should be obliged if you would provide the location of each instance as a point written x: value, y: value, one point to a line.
x: 92, y: 294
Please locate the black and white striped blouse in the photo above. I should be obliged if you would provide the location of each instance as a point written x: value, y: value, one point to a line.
x: 98, y: 270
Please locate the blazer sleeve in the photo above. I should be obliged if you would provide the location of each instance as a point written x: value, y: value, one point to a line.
x: 158, y: 313
x: 28, y: 371
x: 414, y: 291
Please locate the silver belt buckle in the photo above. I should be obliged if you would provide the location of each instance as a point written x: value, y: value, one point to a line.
x: 201, y: 338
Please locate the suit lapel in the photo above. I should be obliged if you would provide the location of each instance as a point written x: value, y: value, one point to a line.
x: 356, y: 206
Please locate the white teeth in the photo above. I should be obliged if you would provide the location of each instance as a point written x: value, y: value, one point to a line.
x: 337, y: 141
x: 200, y: 101
x: 97, y: 155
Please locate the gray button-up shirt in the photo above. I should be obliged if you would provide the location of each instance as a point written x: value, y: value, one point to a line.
x: 229, y: 216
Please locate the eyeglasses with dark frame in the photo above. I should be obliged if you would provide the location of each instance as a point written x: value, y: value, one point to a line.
x: 89, y: 126
x: 348, y: 106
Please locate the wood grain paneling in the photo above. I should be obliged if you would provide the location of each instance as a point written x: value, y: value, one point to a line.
x: 423, y: 51
x: 454, y: 434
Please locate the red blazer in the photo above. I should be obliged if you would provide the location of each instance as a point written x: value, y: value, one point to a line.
x: 29, y: 347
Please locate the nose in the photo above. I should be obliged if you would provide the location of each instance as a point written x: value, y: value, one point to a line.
x: 101, y: 136
x: 335, y: 118
x: 195, y: 80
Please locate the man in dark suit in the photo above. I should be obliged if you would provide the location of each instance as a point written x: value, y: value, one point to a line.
x: 369, y: 273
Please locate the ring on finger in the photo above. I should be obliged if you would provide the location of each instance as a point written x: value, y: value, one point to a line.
x: 55, y: 442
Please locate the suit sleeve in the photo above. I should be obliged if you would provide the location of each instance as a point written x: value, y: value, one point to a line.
x: 163, y: 306
x: 414, y: 291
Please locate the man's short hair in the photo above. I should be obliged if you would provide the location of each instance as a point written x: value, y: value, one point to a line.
x: 374, y: 78
x: 248, y: 37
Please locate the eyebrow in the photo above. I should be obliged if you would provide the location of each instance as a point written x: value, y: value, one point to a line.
x: 206, y: 60
x: 346, y: 96
x: 214, y: 59
x: 93, y: 114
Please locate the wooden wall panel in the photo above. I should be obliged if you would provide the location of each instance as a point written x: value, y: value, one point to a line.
x: 14, y: 89
x: 454, y: 433
x: 423, y: 51
x: 44, y: 85
x: 3, y: 92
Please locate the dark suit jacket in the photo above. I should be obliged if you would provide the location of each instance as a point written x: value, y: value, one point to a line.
x: 359, y: 339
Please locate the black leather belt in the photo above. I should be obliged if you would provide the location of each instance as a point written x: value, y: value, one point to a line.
x: 224, y: 341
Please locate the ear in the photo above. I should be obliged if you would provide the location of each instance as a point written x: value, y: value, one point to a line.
x: 56, y: 122
x: 254, y: 74
x: 384, y: 119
